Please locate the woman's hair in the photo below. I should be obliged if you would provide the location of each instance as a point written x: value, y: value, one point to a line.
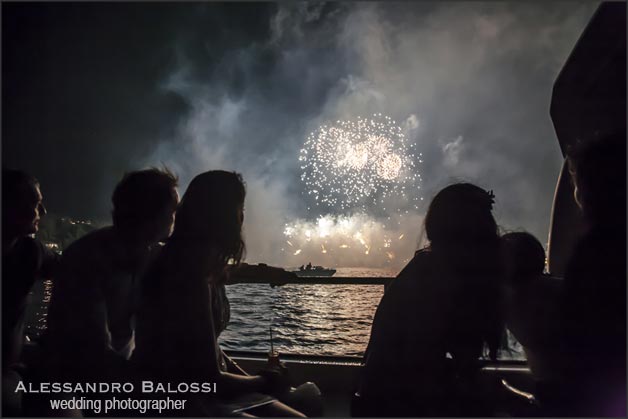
x: 461, y: 213
x: 209, y: 212
x: 465, y: 247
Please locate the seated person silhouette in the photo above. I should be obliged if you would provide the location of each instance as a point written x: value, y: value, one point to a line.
x: 24, y: 260
x: 533, y: 304
x: 90, y: 321
x: 184, y: 308
x: 594, y: 332
x: 436, y: 317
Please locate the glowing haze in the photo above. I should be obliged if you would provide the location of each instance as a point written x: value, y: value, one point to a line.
x: 345, y: 118
x: 385, y: 107
x: 352, y: 240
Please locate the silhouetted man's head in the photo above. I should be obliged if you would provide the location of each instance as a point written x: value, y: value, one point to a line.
x: 524, y: 254
x: 144, y: 205
x: 22, y: 205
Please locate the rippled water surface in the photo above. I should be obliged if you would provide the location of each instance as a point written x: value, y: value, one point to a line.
x: 312, y: 319
x: 306, y: 319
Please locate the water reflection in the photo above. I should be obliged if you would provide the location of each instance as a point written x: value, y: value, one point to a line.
x: 306, y: 319
x: 312, y: 319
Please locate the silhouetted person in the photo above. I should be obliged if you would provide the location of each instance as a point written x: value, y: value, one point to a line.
x: 184, y: 306
x: 595, y: 284
x: 533, y: 305
x: 24, y: 260
x: 309, y: 266
x: 436, y: 317
x: 90, y: 326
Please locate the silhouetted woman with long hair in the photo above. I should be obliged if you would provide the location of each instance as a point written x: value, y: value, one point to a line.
x: 436, y: 317
x: 184, y: 307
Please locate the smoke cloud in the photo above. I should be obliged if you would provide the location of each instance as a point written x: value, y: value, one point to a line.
x: 470, y: 84
x: 240, y: 86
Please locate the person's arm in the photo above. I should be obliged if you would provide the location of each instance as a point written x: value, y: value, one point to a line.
x: 408, y: 324
x: 77, y: 319
x: 495, y: 318
x: 389, y: 321
x: 386, y: 342
x: 233, y: 366
x: 199, y: 353
x: 230, y: 383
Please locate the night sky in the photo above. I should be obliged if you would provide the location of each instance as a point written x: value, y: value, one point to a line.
x: 90, y: 91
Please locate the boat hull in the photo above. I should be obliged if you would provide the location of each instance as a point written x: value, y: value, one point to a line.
x: 315, y: 272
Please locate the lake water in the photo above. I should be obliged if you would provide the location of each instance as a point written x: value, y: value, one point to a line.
x: 305, y: 319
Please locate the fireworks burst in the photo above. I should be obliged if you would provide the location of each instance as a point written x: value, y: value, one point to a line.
x: 354, y: 240
x: 360, y: 164
x: 366, y: 170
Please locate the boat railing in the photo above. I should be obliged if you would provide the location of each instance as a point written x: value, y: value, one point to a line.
x: 355, y: 361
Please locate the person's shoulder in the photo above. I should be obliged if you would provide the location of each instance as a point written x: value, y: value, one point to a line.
x: 95, y: 238
x: 422, y: 256
x: 28, y: 244
x: 412, y: 275
x: 90, y: 248
x: 418, y: 265
x: 601, y: 240
x: 593, y: 251
x: 29, y: 248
